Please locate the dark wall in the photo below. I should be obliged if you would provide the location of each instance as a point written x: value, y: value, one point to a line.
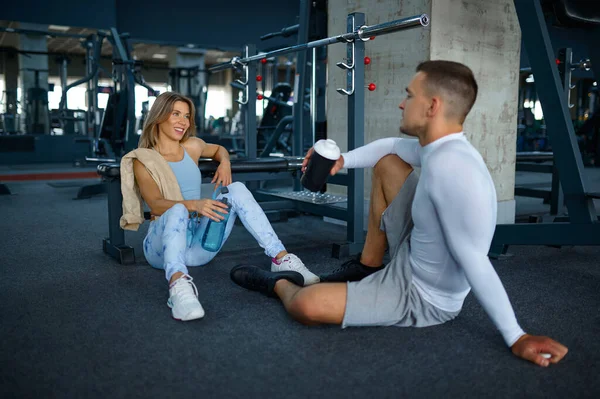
x: 212, y: 24
x: 226, y: 25
x: 87, y: 14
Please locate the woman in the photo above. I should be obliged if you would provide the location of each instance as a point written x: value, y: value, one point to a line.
x: 164, y: 173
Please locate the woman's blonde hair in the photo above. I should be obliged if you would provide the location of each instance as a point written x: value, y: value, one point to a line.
x: 159, y: 113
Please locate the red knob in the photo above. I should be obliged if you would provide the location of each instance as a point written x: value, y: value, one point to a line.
x: 263, y: 61
x: 259, y: 97
x: 367, y: 60
x: 258, y: 78
x: 372, y: 86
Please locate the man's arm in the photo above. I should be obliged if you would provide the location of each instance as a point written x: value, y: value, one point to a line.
x: 463, y: 198
x: 368, y: 155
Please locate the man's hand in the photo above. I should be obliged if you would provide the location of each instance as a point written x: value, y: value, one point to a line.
x: 530, y: 347
x: 222, y: 175
x: 339, y: 164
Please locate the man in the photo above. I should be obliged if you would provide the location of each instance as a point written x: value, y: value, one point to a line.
x: 438, y: 227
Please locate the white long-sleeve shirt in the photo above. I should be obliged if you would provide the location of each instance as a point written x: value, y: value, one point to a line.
x: 454, y: 215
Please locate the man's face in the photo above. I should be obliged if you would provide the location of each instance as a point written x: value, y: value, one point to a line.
x: 414, y: 107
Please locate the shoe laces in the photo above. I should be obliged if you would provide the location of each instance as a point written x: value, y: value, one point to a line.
x: 294, y: 263
x: 344, y: 266
x: 182, y: 286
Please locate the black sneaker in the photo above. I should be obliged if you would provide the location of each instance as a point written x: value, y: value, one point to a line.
x: 256, y: 279
x: 351, y: 270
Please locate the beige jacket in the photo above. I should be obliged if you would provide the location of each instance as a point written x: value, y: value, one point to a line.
x: 161, y: 172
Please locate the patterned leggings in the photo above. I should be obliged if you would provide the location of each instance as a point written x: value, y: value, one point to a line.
x: 173, y: 241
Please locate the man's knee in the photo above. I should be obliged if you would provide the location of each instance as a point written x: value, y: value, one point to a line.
x: 305, y: 309
x: 391, y: 164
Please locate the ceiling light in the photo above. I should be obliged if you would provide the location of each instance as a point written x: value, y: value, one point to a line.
x: 159, y: 56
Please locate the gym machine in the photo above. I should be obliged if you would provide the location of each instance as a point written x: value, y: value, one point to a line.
x: 581, y: 226
x: 265, y: 168
x: 184, y: 80
x: 542, y: 162
x: 117, y: 133
x: 36, y: 144
x: 323, y: 204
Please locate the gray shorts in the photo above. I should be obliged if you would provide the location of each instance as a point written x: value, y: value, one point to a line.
x: 388, y: 297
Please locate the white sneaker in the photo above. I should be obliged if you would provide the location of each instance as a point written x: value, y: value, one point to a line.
x: 183, y: 300
x: 293, y: 263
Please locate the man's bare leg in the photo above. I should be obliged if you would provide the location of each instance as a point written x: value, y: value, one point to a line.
x: 316, y: 304
x: 389, y: 174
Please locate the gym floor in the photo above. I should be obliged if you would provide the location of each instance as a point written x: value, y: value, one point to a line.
x: 75, y: 323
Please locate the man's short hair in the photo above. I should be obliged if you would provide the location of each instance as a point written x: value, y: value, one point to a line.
x: 454, y: 81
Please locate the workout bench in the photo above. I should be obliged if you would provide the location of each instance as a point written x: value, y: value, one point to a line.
x: 259, y: 169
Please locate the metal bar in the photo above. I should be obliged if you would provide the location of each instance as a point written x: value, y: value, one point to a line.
x: 251, y: 141
x: 560, y: 129
x: 534, y: 156
x: 256, y: 176
x: 532, y: 193
x: 313, y: 95
x: 119, y: 45
x: 361, y: 33
x: 115, y: 211
x: 557, y: 198
x: 300, y: 86
x: 285, y: 32
x: 393, y: 26
x: 356, y: 137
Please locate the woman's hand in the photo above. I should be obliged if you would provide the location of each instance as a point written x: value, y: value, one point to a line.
x: 222, y: 175
x: 209, y: 208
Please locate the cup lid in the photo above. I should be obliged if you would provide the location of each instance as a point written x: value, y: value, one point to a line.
x: 327, y: 148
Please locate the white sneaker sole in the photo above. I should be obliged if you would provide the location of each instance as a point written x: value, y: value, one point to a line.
x: 194, y: 315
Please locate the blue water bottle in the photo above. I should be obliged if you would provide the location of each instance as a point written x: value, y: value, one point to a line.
x: 213, y: 235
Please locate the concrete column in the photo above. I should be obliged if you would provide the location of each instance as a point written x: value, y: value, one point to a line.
x: 483, y: 34
x: 34, y: 81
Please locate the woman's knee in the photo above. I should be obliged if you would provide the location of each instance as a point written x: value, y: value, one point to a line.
x: 177, y: 210
x: 237, y: 187
x: 238, y: 190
